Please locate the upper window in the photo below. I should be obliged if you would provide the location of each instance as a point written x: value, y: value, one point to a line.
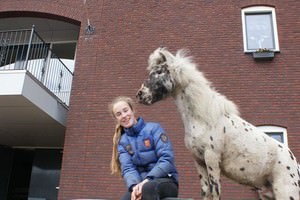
x: 259, y: 28
x: 276, y: 132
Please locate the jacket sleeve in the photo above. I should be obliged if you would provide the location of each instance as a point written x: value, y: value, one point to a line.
x: 164, y: 151
x: 129, y: 172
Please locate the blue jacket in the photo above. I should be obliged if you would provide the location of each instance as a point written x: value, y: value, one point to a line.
x: 145, y: 151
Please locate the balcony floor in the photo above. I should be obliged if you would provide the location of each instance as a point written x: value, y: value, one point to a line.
x: 30, y: 116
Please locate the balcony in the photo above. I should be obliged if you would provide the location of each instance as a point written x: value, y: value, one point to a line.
x: 35, y: 88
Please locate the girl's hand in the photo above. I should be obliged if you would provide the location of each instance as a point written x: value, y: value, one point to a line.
x: 135, y: 195
x: 137, y: 190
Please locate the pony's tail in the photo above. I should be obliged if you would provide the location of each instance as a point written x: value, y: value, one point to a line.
x: 115, y: 164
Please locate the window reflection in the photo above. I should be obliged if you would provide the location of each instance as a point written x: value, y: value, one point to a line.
x: 276, y: 135
x: 259, y: 31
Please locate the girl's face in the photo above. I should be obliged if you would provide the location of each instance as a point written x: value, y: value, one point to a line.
x: 124, y: 114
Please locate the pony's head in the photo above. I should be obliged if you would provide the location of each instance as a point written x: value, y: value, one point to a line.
x: 160, y: 83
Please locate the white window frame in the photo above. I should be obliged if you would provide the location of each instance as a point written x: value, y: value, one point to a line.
x: 275, y: 129
x: 260, y: 10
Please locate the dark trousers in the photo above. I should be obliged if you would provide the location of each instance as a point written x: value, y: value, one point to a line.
x: 157, y: 189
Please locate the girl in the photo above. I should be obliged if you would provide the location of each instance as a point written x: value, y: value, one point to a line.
x: 142, y: 154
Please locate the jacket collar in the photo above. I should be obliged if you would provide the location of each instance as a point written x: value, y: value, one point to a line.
x: 135, y: 129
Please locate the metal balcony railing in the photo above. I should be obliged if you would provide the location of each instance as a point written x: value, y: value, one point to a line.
x: 26, y: 50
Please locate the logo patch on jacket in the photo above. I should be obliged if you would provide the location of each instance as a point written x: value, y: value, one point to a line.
x: 129, y: 149
x: 147, y: 143
x: 164, y: 138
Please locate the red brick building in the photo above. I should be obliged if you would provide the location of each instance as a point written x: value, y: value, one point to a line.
x: 110, y: 42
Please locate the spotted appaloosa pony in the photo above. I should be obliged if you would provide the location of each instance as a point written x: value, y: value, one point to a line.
x: 220, y: 141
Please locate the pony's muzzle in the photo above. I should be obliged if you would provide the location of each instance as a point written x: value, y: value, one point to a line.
x: 139, y: 95
x: 143, y: 97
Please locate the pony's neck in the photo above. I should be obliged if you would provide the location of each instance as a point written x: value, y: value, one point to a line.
x: 198, y: 101
x: 193, y: 104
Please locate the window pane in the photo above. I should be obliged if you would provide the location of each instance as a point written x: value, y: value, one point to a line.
x: 65, y: 50
x: 277, y: 136
x: 259, y: 31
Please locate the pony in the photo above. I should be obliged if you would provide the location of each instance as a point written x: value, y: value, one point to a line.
x: 220, y: 141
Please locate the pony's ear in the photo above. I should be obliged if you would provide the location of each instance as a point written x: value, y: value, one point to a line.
x: 163, y: 58
x: 157, y: 57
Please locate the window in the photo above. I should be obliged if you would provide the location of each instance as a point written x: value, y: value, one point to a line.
x: 276, y: 132
x: 259, y: 28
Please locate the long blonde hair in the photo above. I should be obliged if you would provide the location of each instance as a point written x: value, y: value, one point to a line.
x: 115, y: 165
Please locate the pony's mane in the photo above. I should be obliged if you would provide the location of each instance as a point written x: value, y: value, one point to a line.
x: 202, y: 95
x: 186, y: 68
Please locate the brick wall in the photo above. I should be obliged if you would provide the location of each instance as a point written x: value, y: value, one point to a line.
x: 113, y: 61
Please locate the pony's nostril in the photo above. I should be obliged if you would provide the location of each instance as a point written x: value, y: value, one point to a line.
x: 139, y: 93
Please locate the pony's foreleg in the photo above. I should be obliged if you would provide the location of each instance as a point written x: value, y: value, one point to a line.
x: 212, y: 160
x: 265, y: 193
x: 204, y: 182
